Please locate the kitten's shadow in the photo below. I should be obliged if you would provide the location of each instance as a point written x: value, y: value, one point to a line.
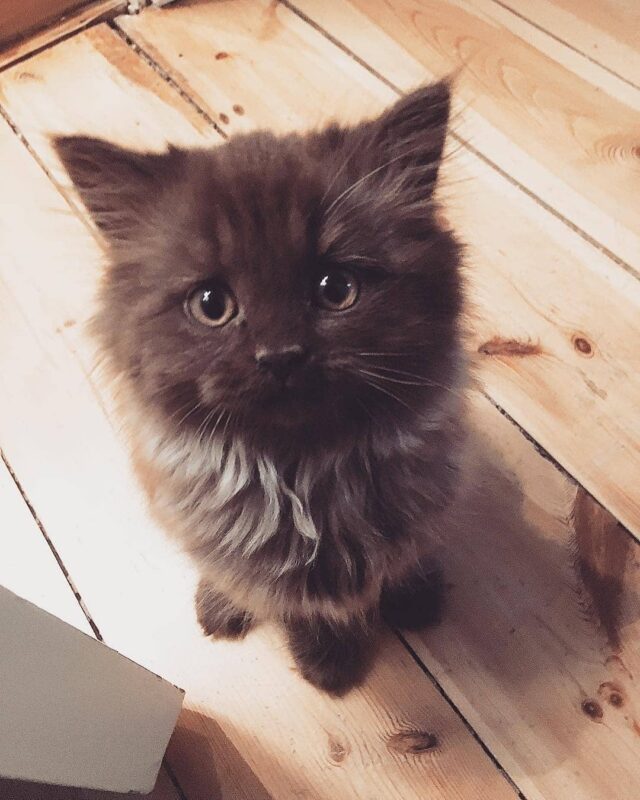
x: 524, y: 636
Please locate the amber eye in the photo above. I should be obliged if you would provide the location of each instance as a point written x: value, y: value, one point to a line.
x: 212, y: 305
x: 337, y: 290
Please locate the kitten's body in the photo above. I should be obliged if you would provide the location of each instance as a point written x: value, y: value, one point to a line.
x: 283, y: 533
x: 304, y: 446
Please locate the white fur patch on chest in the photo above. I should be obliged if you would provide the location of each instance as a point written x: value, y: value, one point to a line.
x: 200, y: 480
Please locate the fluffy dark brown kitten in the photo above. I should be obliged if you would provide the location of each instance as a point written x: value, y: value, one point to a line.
x: 284, y: 315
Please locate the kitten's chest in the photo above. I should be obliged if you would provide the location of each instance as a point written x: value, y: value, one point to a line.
x: 319, y: 531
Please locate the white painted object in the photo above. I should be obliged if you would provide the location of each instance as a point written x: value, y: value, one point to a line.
x: 74, y: 712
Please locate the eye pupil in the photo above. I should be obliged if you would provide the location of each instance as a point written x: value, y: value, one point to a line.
x: 337, y: 290
x: 213, y: 304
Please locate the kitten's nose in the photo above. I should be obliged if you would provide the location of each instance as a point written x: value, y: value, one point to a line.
x: 282, y: 361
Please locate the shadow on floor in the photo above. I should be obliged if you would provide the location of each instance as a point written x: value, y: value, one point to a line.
x: 543, y: 601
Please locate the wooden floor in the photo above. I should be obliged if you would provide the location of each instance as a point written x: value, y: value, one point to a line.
x: 530, y: 687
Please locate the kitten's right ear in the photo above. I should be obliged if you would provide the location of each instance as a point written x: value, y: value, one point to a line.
x: 114, y: 183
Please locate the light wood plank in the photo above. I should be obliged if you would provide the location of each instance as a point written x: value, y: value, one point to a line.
x: 535, y: 280
x: 568, y: 141
x: 607, y: 31
x: 296, y: 741
x: 28, y: 568
x: 555, y: 698
x: 130, y: 86
x: 550, y: 46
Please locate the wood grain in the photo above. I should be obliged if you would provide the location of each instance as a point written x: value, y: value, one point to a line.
x: 534, y: 279
x: 295, y: 741
x: 579, y: 157
x: 607, y: 32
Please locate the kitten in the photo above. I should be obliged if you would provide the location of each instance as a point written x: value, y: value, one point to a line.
x: 284, y: 314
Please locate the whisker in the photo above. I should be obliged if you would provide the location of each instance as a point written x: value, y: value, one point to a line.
x: 393, y: 380
x: 215, y: 428
x: 338, y: 173
x: 364, y: 407
x: 203, y: 425
x: 406, y: 353
x: 188, y: 414
x: 382, y: 390
x: 226, y: 425
x: 350, y: 189
x: 421, y: 380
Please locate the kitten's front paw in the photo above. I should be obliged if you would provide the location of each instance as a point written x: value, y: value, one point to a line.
x: 335, y: 658
x: 415, y: 604
x: 218, y: 616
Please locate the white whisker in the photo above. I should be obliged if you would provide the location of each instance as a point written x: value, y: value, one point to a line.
x: 350, y: 189
x: 420, y: 380
x: 203, y: 426
x: 382, y: 390
x: 192, y: 410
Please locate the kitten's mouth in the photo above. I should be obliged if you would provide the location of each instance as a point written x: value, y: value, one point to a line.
x: 285, y: 396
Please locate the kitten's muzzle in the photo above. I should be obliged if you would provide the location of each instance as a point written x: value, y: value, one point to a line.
x: 281, y: 362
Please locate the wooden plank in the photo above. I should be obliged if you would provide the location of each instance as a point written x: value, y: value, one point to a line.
x: 608, y: 32
x: 130, y: 84
x: 535, y: 280
x: 70, y: 23
x: 295, y: 740
x: 541, y: 650
x: 549, y: 45
x: 577, y: 156
x: 27, y: 566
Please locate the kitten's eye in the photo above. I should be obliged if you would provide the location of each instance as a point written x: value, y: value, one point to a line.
x: 337, y: 290
x: 212, y: 305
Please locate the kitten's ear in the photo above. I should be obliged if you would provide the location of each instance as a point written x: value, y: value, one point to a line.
x: 114, y: 183
x: 409, y: 138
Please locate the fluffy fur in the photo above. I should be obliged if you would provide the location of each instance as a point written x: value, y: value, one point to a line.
x: 306, y: 492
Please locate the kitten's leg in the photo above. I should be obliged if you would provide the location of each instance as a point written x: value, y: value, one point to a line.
x: 218, y: 616
x: 333, y: 656
x: 414, y: 603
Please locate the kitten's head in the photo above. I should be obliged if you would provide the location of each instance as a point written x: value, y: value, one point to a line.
x: 296, y: 286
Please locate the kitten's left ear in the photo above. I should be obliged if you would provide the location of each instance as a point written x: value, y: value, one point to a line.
x: 409, y: 138
x: 115, y: 184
